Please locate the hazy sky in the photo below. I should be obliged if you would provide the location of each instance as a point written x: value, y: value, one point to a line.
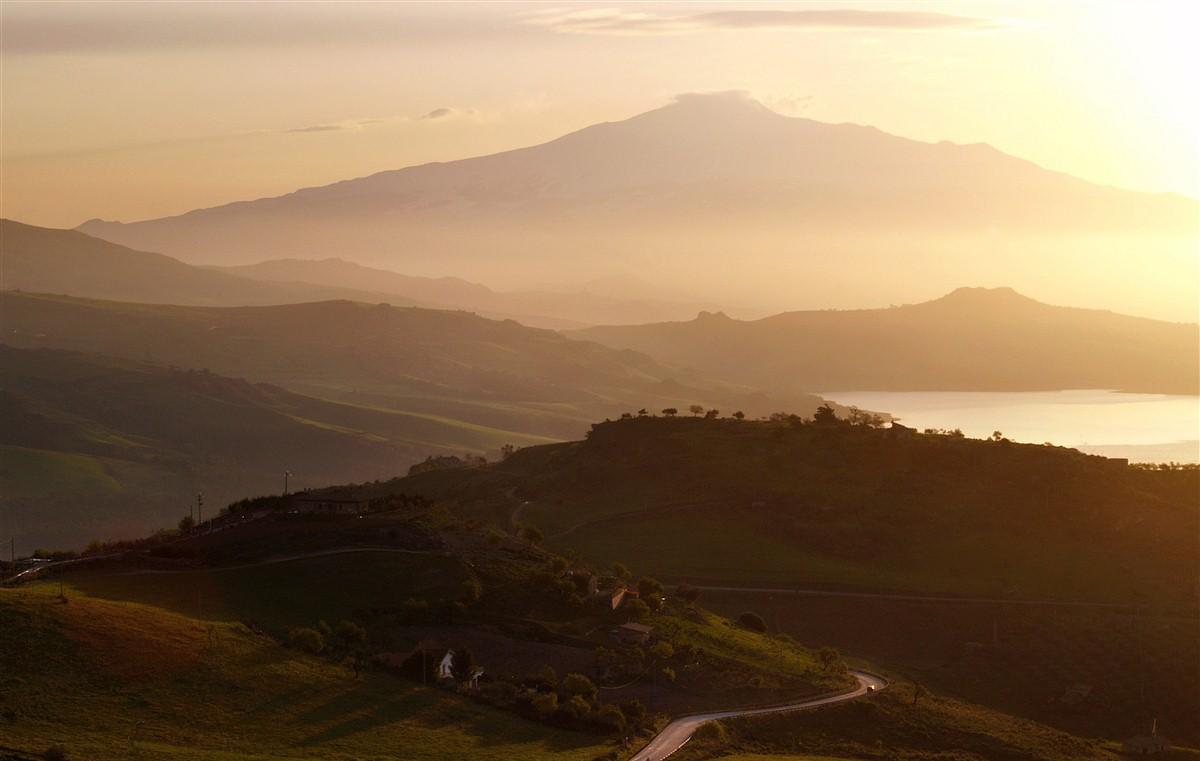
x: 128, y: 111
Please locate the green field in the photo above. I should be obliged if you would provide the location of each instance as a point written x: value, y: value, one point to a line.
x: 114, y: 681
x: 280, y: 596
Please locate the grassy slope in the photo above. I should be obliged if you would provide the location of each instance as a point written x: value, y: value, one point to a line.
x: 96, y: 447
x: 1021, y: 660
x: 112, y: 680
x: 422, y: 360
x: 888, y: 727
x: 766, y: 504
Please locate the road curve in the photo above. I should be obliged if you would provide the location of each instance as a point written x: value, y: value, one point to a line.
x: 676, y: 734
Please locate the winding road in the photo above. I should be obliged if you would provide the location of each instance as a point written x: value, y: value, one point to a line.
x: 676, y: 734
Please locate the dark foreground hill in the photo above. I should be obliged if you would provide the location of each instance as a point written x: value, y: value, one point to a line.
x: 93, y: 447
x: 974, y: 339
x: 449, y: 365
x: 791, y: 504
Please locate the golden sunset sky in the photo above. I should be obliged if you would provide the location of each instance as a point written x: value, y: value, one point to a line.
x: 129, y: 111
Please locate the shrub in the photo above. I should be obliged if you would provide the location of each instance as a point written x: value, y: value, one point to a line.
x: 635, y: 610
x: 662, y: 651
x: 712, y: 731
x: 578, y: 685
x: 578, y: 707
x: 350, y: 634
x: 610, y: 716
x: 753, y: 622
x: 545, y: 704
x: 306, y: 639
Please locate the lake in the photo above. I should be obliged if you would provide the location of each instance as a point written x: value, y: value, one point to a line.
x: 1142, y: 427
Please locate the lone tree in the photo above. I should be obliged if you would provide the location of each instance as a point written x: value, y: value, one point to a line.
x: 825, y: 415
x: 739, y: 415
x: 643, y: 412
x: 831, y: 659
x: 695, y: 409
x: 670, y: 412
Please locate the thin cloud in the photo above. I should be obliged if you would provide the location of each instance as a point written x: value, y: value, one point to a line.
x: 615, y: 21
x: 437, y: 113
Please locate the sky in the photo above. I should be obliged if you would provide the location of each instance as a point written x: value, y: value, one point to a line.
x: 129, y: 111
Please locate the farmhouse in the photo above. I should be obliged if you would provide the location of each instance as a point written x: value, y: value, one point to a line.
x: 633, y: 634
x: 620, y: 594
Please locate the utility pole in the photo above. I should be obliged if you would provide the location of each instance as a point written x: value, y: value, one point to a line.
x: 286, y: 474
x: 199, y: 509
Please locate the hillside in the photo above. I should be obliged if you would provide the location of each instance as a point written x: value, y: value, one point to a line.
x: 452, y: 366
x: 789, y: 504
x: 208, y: 633
x: 97, y: 448
x: 697, y: 190
x: 44, y: 260
x: 973, y: 339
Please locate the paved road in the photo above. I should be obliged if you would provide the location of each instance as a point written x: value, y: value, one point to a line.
x: 676, y: 734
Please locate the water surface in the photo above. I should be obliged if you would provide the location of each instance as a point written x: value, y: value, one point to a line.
x: 1142, y: 427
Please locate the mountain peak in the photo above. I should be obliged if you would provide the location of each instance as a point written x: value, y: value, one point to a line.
x: 1002, y: 296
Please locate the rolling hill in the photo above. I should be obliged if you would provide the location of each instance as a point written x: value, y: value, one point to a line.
x: 974, y: 339
x: 45, y: 260
x: 450, y: 365
x: 697, y: 190
x: 95, y: 447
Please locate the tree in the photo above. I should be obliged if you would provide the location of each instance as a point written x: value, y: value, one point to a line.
x: 642, y: 412
x: 753, y: 622
x: 695, y: 409
x: 712, y: 414
x: 186, y: 524
x: 739, y: 415
x: 831, y: 659
x: 548, y: 677
x: 545, y: 704
x: 635, y: 610
x: 651, y: 592
x: 506, y: 451
x: 578, y: 707
x: 578, y: 685
x: 825, y: 415
x: 997, y: 436
x: 350, y: 634
x: 610, y: 716
x: 670, y: 412
x: 307, y: 639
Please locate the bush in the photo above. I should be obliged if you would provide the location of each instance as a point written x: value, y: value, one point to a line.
x: 753, y: 622
x: 306, y: 639
x: 350, y: 634
x: 545, y: 704
x: 578, y: 685
x: 610, y: 716
x: 578, y: 707
x: 712, y: 731
x: 662, y: 651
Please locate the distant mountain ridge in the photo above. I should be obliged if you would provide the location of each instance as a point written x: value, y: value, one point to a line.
x: 45, y: 260
x: 720, y: 189
x: 973, y: 339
